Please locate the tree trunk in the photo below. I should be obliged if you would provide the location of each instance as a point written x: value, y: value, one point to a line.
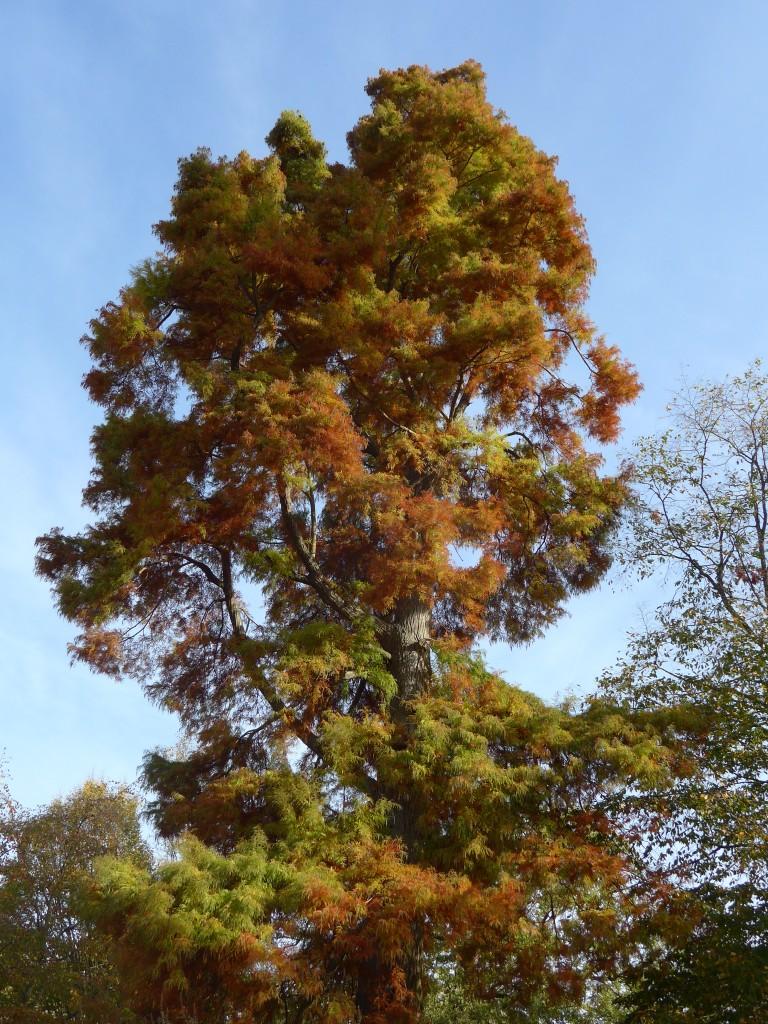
x: 369, y: 987
x: 407, y: 642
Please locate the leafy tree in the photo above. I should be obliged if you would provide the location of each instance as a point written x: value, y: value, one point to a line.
x: 701, y: 516
x: 8, y: 810
x: 717, y: 974
x: 450, y: 1002
x: 348, y: 411
x: 53, y: 967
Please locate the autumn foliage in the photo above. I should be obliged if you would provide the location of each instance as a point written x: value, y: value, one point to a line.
x: 352, y: 419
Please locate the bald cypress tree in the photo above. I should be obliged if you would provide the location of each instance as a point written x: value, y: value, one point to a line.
x: 352, y: 420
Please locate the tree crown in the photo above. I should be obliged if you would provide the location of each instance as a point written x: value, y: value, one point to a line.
x: 348, y: 411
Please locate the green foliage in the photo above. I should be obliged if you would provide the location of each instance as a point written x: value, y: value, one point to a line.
x: 207, y: 919
x: 451, y: 1002
x: 302, y: 157
x: 717, y: 975
x: 53, y: 966
x: 701, y: 517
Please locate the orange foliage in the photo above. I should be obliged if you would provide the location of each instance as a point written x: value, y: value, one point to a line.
x: 361, y: 396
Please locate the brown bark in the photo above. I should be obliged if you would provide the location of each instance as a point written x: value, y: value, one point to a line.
x: 407, y: 641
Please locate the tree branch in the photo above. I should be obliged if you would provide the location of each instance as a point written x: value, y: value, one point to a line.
x: 315, y: 576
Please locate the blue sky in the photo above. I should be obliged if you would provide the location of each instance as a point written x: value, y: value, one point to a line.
x: 657, y: 110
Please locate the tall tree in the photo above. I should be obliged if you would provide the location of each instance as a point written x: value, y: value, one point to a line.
x: 53, y: 967
x: 347, y: 417
x: 701, y: 517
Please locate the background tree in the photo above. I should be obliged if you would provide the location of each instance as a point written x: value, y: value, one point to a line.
x: 717, y: 971
x: 8, y: 811
x: 701, y: 516
x: 53, y: 967
x: 347, y: 417
x: 450, y: 1001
